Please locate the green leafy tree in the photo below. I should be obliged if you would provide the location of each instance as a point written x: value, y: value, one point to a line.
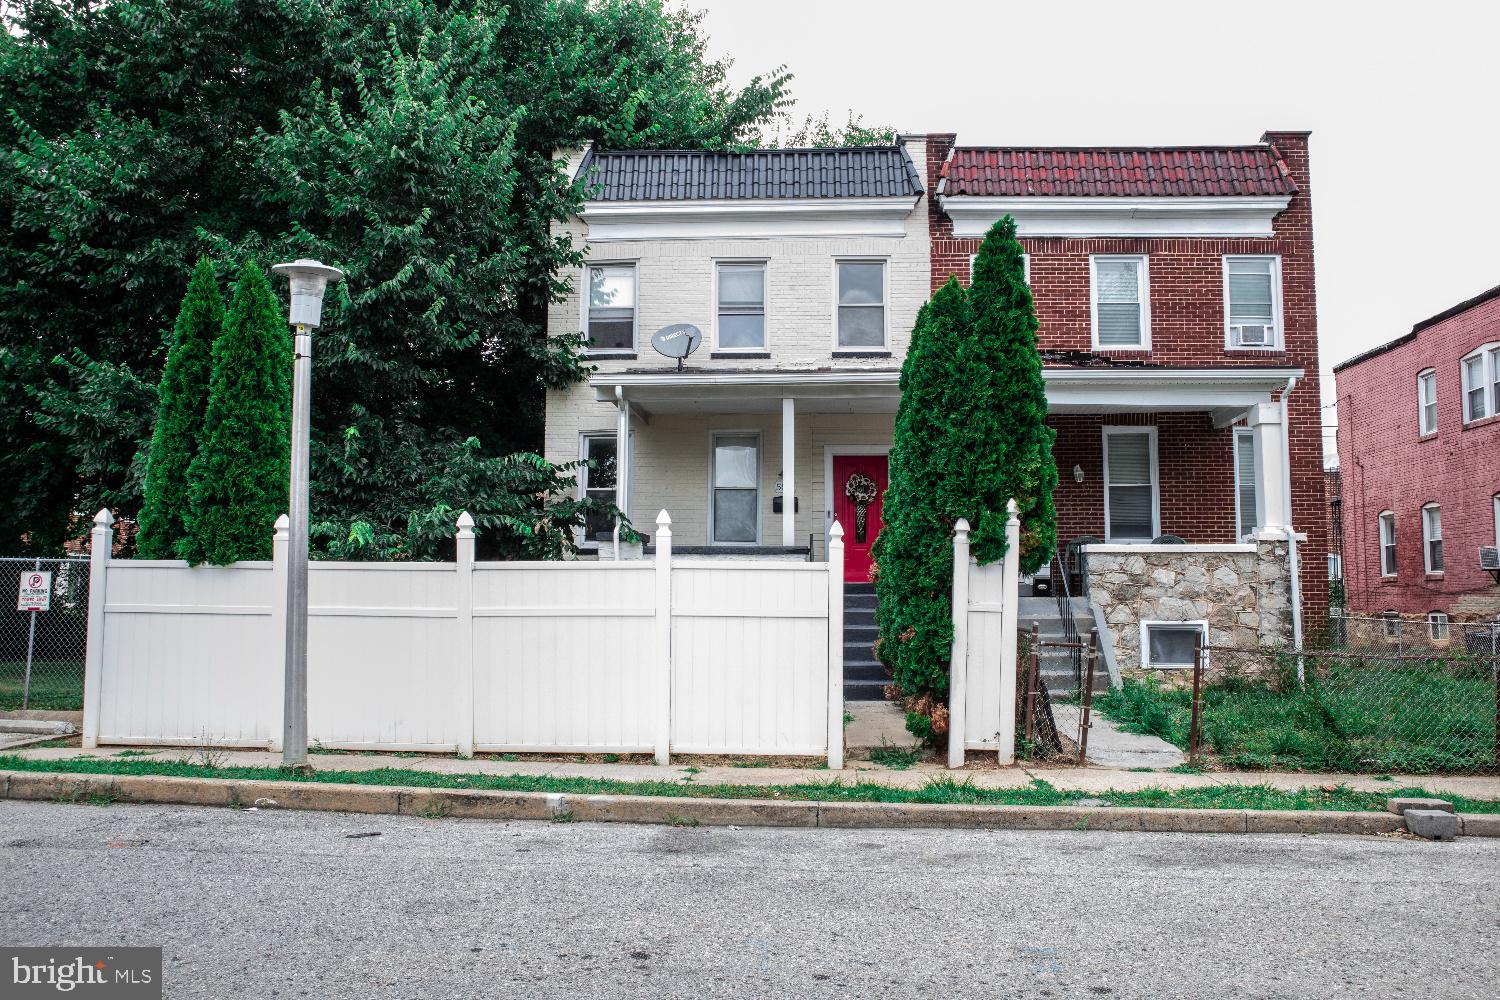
x: 915, y: 550
x: 1004, y: 333
x: 238, y: 483
x: 970, y: 435
x: 182, y: 405
x: 139, y: 134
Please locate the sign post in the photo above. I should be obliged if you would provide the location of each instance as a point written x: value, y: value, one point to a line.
x: 34, y: 595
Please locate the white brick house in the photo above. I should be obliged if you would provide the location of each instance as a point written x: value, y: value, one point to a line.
x: 804, y: 270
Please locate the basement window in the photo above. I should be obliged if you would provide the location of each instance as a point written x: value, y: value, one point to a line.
x: 1172, y: 645
x: 1437, y: 626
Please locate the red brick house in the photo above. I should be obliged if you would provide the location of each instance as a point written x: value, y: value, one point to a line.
x: 1182, y: 278
x: 1419, y: 449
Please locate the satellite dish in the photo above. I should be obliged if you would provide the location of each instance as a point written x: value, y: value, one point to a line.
x: 677, y: 341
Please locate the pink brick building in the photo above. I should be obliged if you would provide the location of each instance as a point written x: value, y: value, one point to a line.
x: 1419, y: 449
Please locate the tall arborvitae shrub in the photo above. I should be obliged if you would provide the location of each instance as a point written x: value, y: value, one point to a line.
x: 1005, y: 331
x: 179, y: 416
x: 238, y: 481
x: 915, y: 551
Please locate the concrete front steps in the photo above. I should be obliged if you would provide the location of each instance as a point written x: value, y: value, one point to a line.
x: 1057, y: 667
x: 864, y: 677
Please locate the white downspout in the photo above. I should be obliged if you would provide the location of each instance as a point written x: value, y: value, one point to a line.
x: 1291, y: 531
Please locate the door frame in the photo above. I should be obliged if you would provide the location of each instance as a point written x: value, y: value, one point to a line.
x: 829, y: 451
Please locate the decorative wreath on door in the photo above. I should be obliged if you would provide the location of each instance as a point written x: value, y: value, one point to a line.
x: 862, y: 490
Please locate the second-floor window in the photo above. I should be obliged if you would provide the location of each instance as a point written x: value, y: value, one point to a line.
x: 1388, y: 543
x: 1252, y: 307
x: 1481, y: 378
x: 1122, y: 303
x: 1427, y: 402
x: 861, y: 303
x: 741, y: 307
x: 1432, y: 537
x: 611, y: 307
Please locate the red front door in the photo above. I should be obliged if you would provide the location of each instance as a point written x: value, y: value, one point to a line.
x: 859, y: 483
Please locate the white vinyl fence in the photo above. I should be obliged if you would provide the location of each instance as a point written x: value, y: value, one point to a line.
x: 710, y: 656
x: 982, y: 678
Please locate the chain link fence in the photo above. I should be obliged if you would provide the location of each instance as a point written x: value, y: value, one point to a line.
x: 1363, y: 710
x: 42, y: 650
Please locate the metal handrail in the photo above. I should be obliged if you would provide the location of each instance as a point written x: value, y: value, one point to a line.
x: 1063, y: 593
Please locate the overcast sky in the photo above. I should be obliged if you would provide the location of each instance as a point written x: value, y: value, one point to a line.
x: 1403, y: 100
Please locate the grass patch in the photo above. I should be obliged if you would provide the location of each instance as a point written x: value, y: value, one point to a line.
x: 943, y: 789
x: 56, y: 685
x: 894, y: 757
x: 1419, y: 718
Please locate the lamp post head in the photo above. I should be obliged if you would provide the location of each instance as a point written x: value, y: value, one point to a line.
x: 309, y: 279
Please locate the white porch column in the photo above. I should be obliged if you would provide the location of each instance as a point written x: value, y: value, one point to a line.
x: 788, y: 472
x: 622, y: 460
x: 1270, y: 462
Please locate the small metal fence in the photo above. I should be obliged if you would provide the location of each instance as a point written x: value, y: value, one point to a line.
x: 42, y: 649
x: 1363, y: 711
x: 1056, y: 717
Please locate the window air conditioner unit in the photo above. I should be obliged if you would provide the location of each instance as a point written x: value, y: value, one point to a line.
x: 1252, y: 335
x: 1489, y: 560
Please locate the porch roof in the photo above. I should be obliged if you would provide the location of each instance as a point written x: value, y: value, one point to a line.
x: 1225, y: 392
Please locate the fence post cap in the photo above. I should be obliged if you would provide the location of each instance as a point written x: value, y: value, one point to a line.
x: 104, y: 518
x: 835, y: 531
x: 1013, y: 509
x: 962, y: 527
x: 663, y: 519
x: 465, y: 522
x: 283, y: 523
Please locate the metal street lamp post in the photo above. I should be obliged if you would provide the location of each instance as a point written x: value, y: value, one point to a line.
x: 309, y: 279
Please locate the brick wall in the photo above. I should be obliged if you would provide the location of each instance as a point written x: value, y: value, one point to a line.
x: 1388, y: 465
x: 1187, y: 328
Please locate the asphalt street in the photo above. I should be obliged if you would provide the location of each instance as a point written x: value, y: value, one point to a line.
x: 279, y: 904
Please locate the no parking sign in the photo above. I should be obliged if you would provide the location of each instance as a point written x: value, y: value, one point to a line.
x: 36, y: 591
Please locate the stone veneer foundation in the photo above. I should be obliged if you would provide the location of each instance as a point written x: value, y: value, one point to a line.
x: 1241, y: 591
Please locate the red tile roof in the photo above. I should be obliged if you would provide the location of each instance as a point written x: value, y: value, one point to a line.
x: 1164, y: 172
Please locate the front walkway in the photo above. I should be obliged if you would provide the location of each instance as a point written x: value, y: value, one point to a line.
x: 1090, y: 779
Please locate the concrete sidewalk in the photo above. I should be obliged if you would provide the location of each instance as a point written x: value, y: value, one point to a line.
x: 1089, y: 779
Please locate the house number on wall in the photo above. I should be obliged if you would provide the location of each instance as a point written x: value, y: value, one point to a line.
x: 861, y: 489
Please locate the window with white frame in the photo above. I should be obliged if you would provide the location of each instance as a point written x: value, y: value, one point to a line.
x: 598, y: 482
x: 1171, y: 644
x: 1427, y: 402
x: 1437, y: 626
x: 735, y: 515
x: 1122, y: 303
x: 1252, y: 308
x: 1246, y: 489
x: 1335, y: 566
x: 1387, y: 543
x: 741, y: 317
x: 1481, y: 383
x: 1496, y: 501
x: 861, y: 303
x: 1130, y: 484
x: 1432, y: 537
x: 1392, y: 623
x: 611, y: 307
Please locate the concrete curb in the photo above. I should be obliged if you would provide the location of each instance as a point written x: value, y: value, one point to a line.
x: 500, y: 805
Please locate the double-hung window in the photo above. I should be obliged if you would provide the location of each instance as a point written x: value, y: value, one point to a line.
x: 735, y: 517
x: 1427, y: 415
x: 1392, y: 620
x: 741, y: 314
x: 1481, y: 378
x: 1130, y: 497
x: 598, y: 482
x: 1437, y: 626
x: 861, y: 304
x: 1252, y: 302
x: 611, y: 307
x: 1122, y: 303
x: 1387, y: 543
x: 1246, y: 489
x: 1432, y: 537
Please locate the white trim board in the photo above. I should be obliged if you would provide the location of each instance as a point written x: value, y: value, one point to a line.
x: 760, y: 218
x: 1108, y: 216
